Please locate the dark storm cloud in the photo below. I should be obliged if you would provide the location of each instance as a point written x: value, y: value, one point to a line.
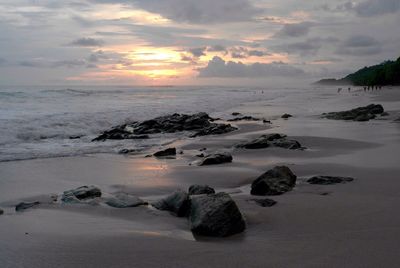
x: 217, y: 67
x: 295, y: 30
x: 87, y: 42
x: 195, y: 11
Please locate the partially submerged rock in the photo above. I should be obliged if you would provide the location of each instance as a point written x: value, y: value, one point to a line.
x: 275, y: 139
x: 25, y: 205
x: 286, y: 116
x: 81, y: 194
x: 264, y: 202
x: 216, y: 159
x: 166, y: 152
x: 200, y: 123
x: 329, y: 180
x: 123, y: 200
x: 200, y: 189
x: 215, y: 215
x: 358, y: 114
x: 178, y: 203
x: 276, y: 181
x: 244, y: 118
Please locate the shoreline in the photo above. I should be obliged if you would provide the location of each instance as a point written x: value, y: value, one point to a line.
x: 345, y: 225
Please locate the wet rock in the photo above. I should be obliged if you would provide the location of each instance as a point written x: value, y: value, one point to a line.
x: 286, y: 116
x: 178, y: 203
x: 123, y: 200
x: 80, y: 194
x: 264, y: 202
x: 199, y: 123
x: 200, y: 189
x: 276, y: 181
x: 25, y: 205
x: 276, y: 140
x: 287, y: 144
x: 166, y: 152
x: 244, y: 118
x: 215, y: 215
x: 216, y: 159
x: 329, y: 180
x: 358, y: 114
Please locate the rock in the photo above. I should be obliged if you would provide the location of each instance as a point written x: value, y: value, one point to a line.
x: 328, y: 180
x: 200, y: 189
x: 80, y: 193
x: 385, y: 114
x: 276, y: 181
x: 216, y: 159
x: 358, y: 114
x: 75, y: 137
x: 166, y: 152
x: 215, y: 215
x: 25, y: 205
x: 178, y: 203
x: 199, y: 123
x: 287, y: 144
x: 267, y: 121
x: 236, y: 114
x: 276, y: 140
x: 1, y: 211
x: 286, y: 116
x: 264, y: 202
x: 200, y: 155
x: 123, y: 200
x: 244, y: 118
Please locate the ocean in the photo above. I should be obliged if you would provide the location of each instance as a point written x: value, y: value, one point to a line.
x: 37, y: 122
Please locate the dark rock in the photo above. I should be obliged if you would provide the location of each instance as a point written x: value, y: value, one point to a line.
x: 244, y: 118
x: 267, y: 121
x: 178, y: 203
x: 81, y: 193
x: 74, y: 137
x: 276, y: 181
x: 328, y: 180
x: 123, y: 200
x: 200, y: 155
x: 128, y: 151
x: 216, y: 159
x: 358, y: 114
x: 264, y: 202
x: 166, y: 152
x: 25, y: 205
x: 199, y: 123
x: 215, y: 215
x: 236, y: 114
x: 287, y: 144
x: 200, y: 189
x: 286, y: 116
x: 276, y: 140
x: 1, y: 211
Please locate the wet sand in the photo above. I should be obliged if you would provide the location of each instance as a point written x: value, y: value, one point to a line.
x: 347, y: 225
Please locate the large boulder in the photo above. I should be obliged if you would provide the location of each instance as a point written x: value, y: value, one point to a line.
x: 200, y: 189
x: 200, y: 123
x: 166, y: 152
x: 81, y: 194
x: 365, y: 113
x: 25, y: 205
x: 215, y: 215
x: 123, y: 200
x: 216, y: 159
x: 178, y: 203
x: 328, y: 180
x: 276, y: 181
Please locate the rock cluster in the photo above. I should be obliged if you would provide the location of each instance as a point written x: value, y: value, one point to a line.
x: 271, y: 140
x: 201, y: 124
x: 329, y: 180
x: 276, y: 181
x: 358, y: 114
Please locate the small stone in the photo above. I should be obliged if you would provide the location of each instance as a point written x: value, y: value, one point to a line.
x: 286, y: 116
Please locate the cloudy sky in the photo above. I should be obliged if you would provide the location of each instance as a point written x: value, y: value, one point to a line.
x: 160, y: 42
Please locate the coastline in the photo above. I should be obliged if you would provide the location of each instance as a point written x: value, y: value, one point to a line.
x: 344, y: 228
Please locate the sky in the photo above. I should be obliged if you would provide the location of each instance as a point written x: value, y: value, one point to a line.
x: 192, y: 42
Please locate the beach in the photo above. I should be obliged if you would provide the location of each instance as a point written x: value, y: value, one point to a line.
x: 344, y: 225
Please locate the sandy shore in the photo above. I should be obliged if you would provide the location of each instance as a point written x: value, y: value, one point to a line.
x: 347, y: 225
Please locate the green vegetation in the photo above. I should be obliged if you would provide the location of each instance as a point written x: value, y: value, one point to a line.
x: 386, y: 73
